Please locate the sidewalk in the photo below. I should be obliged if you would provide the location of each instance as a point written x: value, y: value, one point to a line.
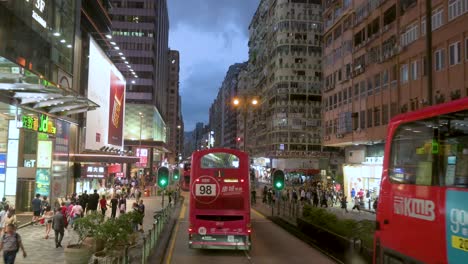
x: 42, y: 250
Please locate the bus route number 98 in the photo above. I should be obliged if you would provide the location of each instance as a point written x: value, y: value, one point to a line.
x: 205, y: 189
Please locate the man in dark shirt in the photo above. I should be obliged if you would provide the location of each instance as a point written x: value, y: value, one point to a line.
x: 58, y: 224
x: 84, y: 200
x: 114, y: 202
x: 93, y: 201
x: 11, y: 243
x: 36, y: 207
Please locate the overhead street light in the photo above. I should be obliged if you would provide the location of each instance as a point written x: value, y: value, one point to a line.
x: 243, y: 103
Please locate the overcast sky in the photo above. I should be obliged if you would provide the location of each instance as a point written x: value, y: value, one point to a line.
x: 210, y: 35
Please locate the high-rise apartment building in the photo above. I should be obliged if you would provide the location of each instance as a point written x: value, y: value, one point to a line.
x: 223, y: 114
x: 140, y: 40
x: 375, y: 67
x: 285, y: 73
x: 173, y: 108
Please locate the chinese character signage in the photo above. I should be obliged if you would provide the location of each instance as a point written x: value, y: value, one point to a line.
x: 43, y: 182
x: 2, y: 166
x: 94, y: 171
x: 42, y: 124
x: 143, y: 154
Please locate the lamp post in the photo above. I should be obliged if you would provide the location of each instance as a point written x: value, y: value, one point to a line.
x: 142, y: 175
x: 244, y: 104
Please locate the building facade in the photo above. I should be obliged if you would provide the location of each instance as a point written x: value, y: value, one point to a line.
x: 223, y: 114
x: 173, y: 108
x: 285, y: 72
x: 375, y: 67
x: 140, y: 42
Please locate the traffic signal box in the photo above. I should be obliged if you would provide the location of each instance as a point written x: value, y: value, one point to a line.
x: 163, y: 177
x: 175, y: 174
x: 278, y: 180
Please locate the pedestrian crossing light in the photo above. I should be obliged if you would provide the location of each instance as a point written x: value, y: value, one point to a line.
x: 163, y: 177
x: 175, y: 174
x: 278, y: 180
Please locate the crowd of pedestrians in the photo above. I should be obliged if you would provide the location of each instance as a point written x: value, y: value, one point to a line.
x: 317, y: 194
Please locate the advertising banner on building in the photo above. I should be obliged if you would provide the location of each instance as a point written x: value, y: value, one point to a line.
x: 106, y: 87
x: 43, y: 182
x: 116, y: 106
x: 2, y: 166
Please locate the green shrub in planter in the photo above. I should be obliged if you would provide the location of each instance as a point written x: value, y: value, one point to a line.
x: 87, y: 226
x: 116, y: 232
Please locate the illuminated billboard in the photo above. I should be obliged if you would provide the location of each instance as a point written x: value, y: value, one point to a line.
x: 106, y: 87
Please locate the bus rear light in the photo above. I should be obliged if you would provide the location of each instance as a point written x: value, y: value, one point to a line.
x: 190, y: 229
x: 197, y: 180
x: 242, y: 180
x: 249, y: 230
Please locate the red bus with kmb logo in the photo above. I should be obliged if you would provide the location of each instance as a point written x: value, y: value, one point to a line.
x: 219, y: 214
x: 422, y: 213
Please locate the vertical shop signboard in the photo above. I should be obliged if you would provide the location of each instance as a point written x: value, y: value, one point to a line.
x: 2, y: 166
x: 44, y: 163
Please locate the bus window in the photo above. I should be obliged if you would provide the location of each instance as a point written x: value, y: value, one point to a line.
x: 437, y: 144
x: 411, y: 153
x: 219, y: 160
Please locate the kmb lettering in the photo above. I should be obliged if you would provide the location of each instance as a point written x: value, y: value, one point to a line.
x: 413, y: 207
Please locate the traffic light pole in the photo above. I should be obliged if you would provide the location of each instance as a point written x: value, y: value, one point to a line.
x: 162, y: 201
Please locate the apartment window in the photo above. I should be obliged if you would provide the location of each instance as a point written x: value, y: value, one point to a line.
x: 363, y: 88
x: 414, y: 70
x: 439, y: 59
x: 362, y: 124
x: 455, y: 9
x: 437, y: 19
x: 376, y: 116
x: 384, y: 114
x: 466, y: 40
x: 377, y: 82
x: 345, y: 96
x: 404, y: 73
x: 369, y: 86
x: 356, y: 90
x: 454, y: 53
x: 369, y: 117
x: 411, y: 34
x: 384, y: 78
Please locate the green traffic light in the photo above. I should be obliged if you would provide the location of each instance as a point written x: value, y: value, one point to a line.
x: 278, y: 179
x: 163, y: 177
x: 278, y: 185
x: 163, y: 182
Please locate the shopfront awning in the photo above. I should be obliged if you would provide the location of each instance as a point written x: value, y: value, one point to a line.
x: 102, y: 158
x: 32, y: 91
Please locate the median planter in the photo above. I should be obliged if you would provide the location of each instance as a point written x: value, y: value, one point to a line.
x: 77, y: 254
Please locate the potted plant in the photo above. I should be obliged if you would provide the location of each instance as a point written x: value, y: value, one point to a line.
x: 81, y: 250
x: 116, y: 235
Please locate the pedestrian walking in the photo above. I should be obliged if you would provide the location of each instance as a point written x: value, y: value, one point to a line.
x: 84, y: 200
x: 3, y: 215
x: 114, y: 202
x: 141, y: 209
x: 103, y: 205
x: 11, y: 217
x: 76, y: 213
x: 93, y: 202
x: 11, y: 243
x: 48, y: 215
x: 344, y: 203
x: 356, y: 204
x: 59, y: 227
x: 36, y: 206
x: 122, y: 205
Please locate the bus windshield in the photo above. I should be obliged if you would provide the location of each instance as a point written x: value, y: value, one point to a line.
x: 431, y: 151
x: 219, y: 160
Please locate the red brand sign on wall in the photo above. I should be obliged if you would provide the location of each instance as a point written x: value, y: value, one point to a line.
x: 114, y: 168
x: 116, y: 109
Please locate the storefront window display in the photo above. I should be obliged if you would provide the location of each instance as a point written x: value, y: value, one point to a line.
x: 362, y: 177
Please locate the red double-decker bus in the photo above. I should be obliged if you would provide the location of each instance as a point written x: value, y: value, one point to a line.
x: 220, y: 200
x: 185, y: 179
x: 422, y: 213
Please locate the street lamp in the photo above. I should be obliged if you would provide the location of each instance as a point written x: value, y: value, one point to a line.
x: 244, y: 104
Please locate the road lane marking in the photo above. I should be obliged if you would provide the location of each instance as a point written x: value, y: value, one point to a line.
x: 182, y: 212
x: 176, y: 230
x: 257, y: 213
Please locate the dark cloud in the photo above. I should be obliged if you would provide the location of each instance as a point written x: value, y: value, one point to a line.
x: 210, y: 35
x: 212, y: 15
